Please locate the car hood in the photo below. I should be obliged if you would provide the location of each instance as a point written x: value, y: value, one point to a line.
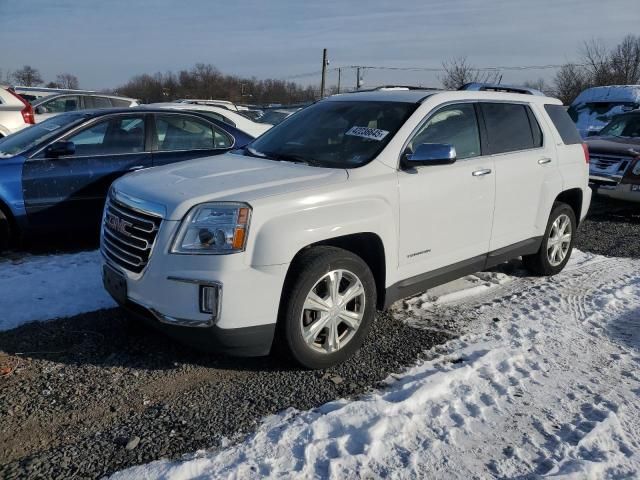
x: 228, y: 177
x: 614, y: 146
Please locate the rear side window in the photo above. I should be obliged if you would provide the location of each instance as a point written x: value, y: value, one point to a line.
x: 120, y: 103
x: 178, y: 132
x: 97, y: 102
x: 509, y: 128
x: 563, y: 123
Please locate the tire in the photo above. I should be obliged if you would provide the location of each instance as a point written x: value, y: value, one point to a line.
x: 5, y: 232
x: 334, y: 332
x: 555, y: 249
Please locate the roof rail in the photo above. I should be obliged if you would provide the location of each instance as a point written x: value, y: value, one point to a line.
x: 394, y: 87
x: 496, y: 87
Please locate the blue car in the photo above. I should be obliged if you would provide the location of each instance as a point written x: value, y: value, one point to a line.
x: 55, y: 175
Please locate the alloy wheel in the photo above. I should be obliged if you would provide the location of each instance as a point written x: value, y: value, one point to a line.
x: 332, y: 311
x: 559, y: 240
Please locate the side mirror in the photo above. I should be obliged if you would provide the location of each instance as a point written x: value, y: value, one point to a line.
x: 60, y: 149
x: 40, y: 110
x: 431, y: 154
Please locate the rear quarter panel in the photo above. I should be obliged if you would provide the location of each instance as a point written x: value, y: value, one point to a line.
x: 573, y: 169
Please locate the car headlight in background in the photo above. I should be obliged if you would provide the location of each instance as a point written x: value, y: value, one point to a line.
x: 214, y: 228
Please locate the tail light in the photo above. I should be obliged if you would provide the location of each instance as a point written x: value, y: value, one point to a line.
x: 586, y: 152
x: 27, y: 111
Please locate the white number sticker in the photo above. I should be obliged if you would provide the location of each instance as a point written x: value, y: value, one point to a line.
x: 366, y: 132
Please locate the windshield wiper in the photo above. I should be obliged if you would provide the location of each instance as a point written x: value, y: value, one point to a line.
x: 255, y: 153
x: 292, y: 157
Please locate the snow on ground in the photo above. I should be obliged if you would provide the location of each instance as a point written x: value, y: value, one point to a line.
x: 544, y: 383
x: 50, y: 286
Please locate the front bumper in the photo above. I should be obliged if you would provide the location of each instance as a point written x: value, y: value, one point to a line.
x: 243, y: 342
x: 621, y: 191
x: 167, y: 295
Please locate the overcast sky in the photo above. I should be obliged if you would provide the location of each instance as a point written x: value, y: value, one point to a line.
x: 106, y: 42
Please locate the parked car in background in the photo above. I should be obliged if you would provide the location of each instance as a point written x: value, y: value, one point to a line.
x: 595, y: 107
x: 52, y: 105
x: 235, y: 119
x: 15, y: 112
x: 274, y: 116
x: 355, y: 202
x: 54, y: 175
x: 32, y: 94
x: 615, y: 158
x: 219, y: 103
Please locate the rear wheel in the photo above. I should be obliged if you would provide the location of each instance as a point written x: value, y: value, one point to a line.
x: 557, y: 243
x: 330, y: 307
x: 5, y: 232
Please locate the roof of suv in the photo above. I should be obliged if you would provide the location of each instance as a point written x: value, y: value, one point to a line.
x: 407, y: 96
x: 418, y: 96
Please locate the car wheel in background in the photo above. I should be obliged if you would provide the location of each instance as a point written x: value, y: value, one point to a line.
x: 557, y: 243
x: 5, y: 232
x: 328, y: 306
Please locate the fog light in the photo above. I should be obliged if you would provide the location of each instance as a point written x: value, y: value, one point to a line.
x: 209, y: 299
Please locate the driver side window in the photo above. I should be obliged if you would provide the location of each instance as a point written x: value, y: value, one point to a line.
x: 455, y: 125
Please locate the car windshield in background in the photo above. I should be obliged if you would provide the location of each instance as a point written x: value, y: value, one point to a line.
x: 334, y: 134
x: 623, y: 126
x: 273, y: 117
x: 36, y: 134
x: 591, y: 117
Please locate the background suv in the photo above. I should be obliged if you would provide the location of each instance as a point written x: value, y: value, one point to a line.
x: 15, y: 112
x: 70, y: 102
x: 352, y: 203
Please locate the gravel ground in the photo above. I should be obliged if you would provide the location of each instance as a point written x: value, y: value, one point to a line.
x: 612, y: 228
x: 95, y: 393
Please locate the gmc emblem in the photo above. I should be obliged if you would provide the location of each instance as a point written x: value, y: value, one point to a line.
x: 118, y: 224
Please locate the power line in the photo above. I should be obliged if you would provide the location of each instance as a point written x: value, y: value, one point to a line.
x: 435, y: 69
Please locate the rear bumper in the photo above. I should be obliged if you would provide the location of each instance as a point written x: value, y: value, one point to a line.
x: 252, y: 341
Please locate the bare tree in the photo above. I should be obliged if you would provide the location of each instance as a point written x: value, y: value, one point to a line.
x: 569, y: 81
x: 541, y: 85
x: 458, y: 71
x: 27, y: 76
x: 206, y: 82
x: 618, y: 66
x: 625, y: 61
x: 67, y: 80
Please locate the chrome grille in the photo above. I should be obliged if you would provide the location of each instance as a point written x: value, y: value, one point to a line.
x: 610, y: 163
x: 128, y: 235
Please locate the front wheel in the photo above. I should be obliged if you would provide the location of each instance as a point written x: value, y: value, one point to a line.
x: 330, y: 306
x: 557, y: 243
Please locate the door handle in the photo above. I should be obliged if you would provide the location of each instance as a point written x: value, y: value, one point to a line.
x: 481, y: 173
x: 136, y: 167
x: 544, y: 160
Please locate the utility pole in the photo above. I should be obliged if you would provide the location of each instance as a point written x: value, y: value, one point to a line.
x: 339, y: 75
x: 358, y: 78
x: 324, y: 72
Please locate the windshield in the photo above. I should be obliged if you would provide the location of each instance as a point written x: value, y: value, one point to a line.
x: 590, y: 118
x: 36, y: 134
x: 622, y: 126
x: 335, y: 134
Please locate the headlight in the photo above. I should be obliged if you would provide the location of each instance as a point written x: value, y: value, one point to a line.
x: 214, y: 228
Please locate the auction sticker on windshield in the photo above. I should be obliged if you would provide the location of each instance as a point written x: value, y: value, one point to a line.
x: 366, y: 132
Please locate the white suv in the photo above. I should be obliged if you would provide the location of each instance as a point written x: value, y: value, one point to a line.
x: 15, y: 112
x: 353, y: 203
